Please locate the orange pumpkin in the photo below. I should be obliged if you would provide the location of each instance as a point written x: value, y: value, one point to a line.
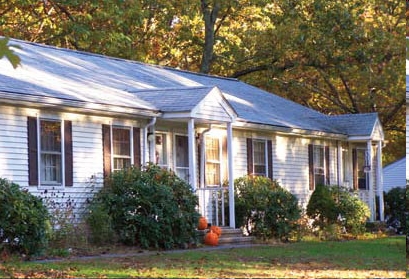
x: 211, y: 238
x: 202, y: 223
x: 217, y: 230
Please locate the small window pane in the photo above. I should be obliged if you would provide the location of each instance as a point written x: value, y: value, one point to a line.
x: 121, y: 163
x: 121, y: 141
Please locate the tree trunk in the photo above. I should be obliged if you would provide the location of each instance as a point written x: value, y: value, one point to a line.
x: 209, y: 16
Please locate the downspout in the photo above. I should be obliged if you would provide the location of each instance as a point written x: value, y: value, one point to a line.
x: 148, y: 148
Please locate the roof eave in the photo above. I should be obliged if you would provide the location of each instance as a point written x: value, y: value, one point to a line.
x: 75, y: 106
x: 287, y: 130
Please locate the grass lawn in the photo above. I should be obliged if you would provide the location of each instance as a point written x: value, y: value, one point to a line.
x: 376, y: 258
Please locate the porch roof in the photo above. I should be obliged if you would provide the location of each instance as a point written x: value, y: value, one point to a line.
x: 72, y: 78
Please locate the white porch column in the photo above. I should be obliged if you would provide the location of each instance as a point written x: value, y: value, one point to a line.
x: 192, y: 153
x: 379, y: 181
x: 231, y: 176
x: 370, y: 181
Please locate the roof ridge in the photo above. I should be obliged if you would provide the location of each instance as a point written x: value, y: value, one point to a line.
x: 142, y: 90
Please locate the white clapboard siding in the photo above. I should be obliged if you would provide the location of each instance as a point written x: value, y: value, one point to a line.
x: 13, y: 146
x: 394, y: 175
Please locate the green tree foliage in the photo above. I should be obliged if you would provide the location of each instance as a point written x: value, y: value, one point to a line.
x: 24, y: 225
x: 151, y: 208
x: 8, y: 53
x: 264, y: 208
x: 333, y: 56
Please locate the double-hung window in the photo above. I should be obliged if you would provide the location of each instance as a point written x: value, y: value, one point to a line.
x: 213, y: 161
x: 121, y: 143
x: 50, y: 161
x: 121, y: 147
x: 260, y: 157
x: 50, y: 152
x: 319, y: 166
x: 318, y: 158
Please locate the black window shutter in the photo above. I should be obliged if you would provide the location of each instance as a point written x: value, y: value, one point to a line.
x: 311, y: 167
x: 137, y: 147
x: 68, y: 158
x: 355, y: 169
x: 270, y: 159
x: 249, y: 156
x: 327, y: 165
x: 32, y: 151
x: 106, y: 146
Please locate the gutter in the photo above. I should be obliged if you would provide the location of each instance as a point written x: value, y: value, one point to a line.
x: 287, y: 130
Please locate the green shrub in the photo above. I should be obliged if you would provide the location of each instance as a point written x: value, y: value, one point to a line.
x: 322, y: 207
x: 24, y: 224
x: 395, y: 209
x: 264, y: 208
x: 150, y: 208
x: 334, y: 206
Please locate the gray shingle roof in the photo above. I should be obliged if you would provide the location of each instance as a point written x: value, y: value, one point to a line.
x: 173, y: 99
x: 80, y: 76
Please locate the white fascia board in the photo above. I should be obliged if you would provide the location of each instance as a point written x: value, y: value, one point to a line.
x: 377, y: 125
x: 75, y: 106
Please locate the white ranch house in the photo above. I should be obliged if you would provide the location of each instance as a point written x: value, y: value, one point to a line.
x: 69, y: 118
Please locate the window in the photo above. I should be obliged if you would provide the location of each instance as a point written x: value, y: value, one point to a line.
x: 260, y: 157
x: 125, y: 149
x: 121, y: 144
x: 182, y: 157
x: 50, y: 150
x: 318, y: 161
x: 319, y: 167
x: 213, y: 167
x: 161, y: 150
x: 361, y: 158
x: 345, y: 165
x: 50, y: 161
